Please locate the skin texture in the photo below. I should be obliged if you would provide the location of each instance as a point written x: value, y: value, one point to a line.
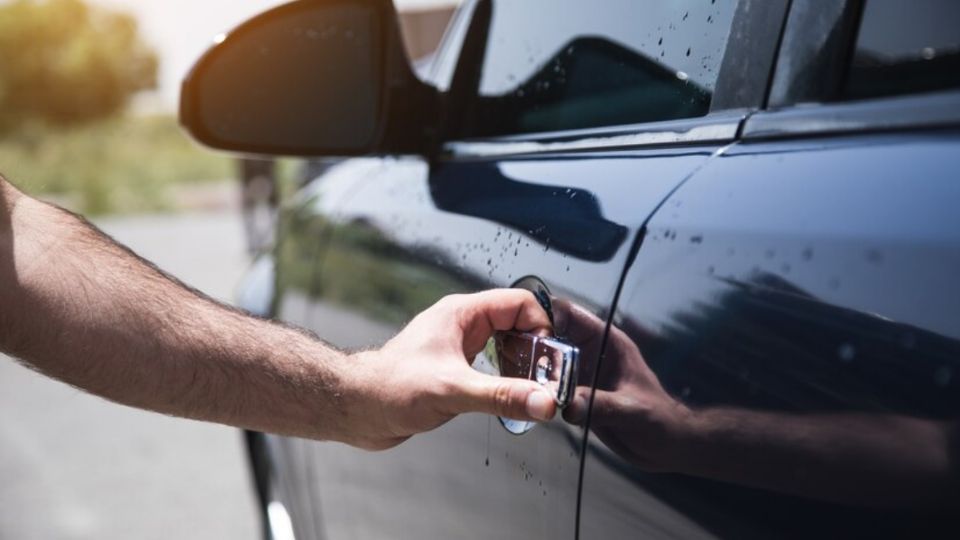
x: 79, y: 307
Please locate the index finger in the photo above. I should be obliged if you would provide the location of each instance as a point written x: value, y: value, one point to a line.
x: 483, y: 313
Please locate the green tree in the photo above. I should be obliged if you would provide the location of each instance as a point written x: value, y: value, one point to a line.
x: 64, y: 63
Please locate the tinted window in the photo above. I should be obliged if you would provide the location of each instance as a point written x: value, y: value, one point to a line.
x: 906, y: 47
x: 567, y: 64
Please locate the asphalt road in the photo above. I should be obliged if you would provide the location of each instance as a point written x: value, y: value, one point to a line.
x: 73, y: 466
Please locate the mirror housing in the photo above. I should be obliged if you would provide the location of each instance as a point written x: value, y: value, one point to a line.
x: 311, y: 78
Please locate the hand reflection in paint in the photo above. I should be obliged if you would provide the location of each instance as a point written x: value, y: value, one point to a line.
x: 863, y: 459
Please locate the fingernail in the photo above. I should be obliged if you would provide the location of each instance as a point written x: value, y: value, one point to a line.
x: 540, y: 405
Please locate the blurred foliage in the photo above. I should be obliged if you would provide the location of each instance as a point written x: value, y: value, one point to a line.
x: 125, y: 164
x: 64, y: 63
x: 67, y: 73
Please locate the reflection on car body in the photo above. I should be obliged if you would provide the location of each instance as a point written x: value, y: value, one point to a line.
x: 881, y: 457
x: 744, y: 211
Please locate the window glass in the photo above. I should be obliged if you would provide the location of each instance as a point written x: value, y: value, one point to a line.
x: 905, y: 47
x: 567, y: 64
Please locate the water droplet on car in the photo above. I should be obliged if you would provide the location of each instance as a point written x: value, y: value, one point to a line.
x: 846, y: 353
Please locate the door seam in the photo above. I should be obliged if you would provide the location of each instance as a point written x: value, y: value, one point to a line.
x: 631, y: 257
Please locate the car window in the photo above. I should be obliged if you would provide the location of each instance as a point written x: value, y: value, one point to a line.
x: 567, y: 64
x: 905, y: 47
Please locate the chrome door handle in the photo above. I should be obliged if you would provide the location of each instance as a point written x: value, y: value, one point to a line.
x: 550, y: 361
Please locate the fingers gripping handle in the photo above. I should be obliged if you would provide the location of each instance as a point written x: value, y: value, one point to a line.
x: 550, y: 361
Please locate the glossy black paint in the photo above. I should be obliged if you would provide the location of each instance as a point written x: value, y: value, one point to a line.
x: 391, y: 251
x: 567, y: 219
x: 806, y: 280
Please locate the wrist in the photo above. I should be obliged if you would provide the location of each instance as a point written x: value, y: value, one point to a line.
x: 359, y: 407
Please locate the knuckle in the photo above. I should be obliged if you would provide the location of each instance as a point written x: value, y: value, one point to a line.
x: 451, y: 305
x: 502, y: 399
x: 443, y: 388
x: 451, y: 300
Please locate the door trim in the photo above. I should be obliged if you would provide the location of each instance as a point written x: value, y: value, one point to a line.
x: 938, y: 109
x: 714, y: 128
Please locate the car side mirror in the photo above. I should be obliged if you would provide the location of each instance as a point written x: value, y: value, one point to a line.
x: 311, y: 78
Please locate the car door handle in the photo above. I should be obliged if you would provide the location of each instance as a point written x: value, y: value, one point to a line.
x: 549, y: 361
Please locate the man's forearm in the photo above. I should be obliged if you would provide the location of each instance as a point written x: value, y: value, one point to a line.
x: 81, y: 308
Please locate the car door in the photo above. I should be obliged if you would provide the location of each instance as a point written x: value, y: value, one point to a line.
x: 566, y: 127
x: 795, y: 301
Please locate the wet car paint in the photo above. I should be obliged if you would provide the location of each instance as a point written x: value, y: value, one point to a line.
x: 807, y: 279
x: 394, y: 246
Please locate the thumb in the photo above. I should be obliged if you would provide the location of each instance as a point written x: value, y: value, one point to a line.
x: 518, y: 399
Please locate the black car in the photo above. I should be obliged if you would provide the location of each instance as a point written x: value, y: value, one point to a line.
x: 746, y: 209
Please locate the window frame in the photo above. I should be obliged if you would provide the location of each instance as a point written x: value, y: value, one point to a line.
x: 818, y: 43
x: 742, y: 82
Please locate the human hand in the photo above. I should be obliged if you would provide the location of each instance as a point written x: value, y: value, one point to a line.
x: 422, y: 378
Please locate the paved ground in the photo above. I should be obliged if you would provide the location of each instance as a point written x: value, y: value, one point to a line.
x: 75, y: 467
